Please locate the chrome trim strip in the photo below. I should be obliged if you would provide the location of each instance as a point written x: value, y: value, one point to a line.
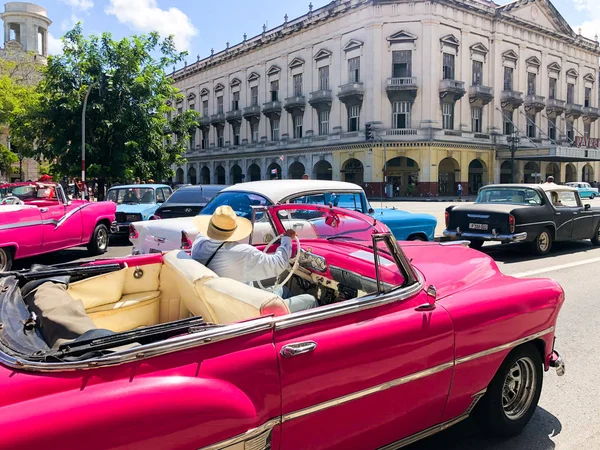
x: 535, y: 223
x: 71, y: 213
x: 368, y: 391
x: 504, y: 347
x: 21, y: 225
x: 250, y: 434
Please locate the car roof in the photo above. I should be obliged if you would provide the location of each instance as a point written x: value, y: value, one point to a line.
x: 544, y: 186
x: 277, y: 190
x: 139, y: 186
x: 199, y: 187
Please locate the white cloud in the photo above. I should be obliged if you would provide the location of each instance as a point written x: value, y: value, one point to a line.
x: 145, y: 16
x: 591, y: 27
x: 69, y: 23
x: 54, y: 45
x: 82, y: 5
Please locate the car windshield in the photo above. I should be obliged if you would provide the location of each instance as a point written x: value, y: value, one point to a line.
x: 510, y: 195
x: 240, y: 202
x: 349, y: 200
x: 131, y: 195
x: 22, y: 192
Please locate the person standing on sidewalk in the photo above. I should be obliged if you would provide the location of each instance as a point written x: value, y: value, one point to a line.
x: 459, y: 189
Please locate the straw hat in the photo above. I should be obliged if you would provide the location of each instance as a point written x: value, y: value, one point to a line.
x: 223, y: 225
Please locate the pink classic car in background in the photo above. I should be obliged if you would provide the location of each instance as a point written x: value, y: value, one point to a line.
x: 38, y: 218
x: 157, y: 351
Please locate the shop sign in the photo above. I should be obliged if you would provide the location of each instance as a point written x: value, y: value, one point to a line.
x: 587, y: 142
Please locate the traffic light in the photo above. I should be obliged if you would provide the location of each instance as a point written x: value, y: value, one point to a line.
x: 369, y: 136
x: 104, y: 85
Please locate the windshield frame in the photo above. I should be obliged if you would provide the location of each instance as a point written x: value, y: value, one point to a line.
x: 121, y: 188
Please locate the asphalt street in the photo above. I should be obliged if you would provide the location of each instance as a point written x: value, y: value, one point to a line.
x: 568, y: 416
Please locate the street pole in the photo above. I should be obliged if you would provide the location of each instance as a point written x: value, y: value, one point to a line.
x: 85, y: 100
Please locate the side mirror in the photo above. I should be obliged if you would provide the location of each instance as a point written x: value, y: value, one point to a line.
x: 371, y: 211
x: 587, y: 207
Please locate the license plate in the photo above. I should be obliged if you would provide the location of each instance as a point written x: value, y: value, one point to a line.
x: 478, y: 226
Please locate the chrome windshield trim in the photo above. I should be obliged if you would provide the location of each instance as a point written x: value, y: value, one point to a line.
x: 503, y: 347
x: 250, y: 434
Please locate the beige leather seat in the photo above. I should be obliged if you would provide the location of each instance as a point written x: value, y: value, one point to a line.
x: 219, y: 300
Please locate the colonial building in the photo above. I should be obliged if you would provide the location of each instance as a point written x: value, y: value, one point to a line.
x: 447, y: 87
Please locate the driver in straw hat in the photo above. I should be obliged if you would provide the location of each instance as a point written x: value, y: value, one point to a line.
x: 217, y: 248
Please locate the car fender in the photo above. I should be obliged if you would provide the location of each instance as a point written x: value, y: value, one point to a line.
x: 93, y: 214
x: 138, y: 413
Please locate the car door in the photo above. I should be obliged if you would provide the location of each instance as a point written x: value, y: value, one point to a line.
x: 62, y: 224
x: 583, y: 219
x: 364, y: 373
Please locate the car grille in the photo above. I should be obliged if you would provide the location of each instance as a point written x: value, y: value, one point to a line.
x: 124, y: 217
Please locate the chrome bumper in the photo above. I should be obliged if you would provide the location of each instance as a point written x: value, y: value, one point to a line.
x: 558, y: 363
x: 517, y: 237
x: 114, y: 227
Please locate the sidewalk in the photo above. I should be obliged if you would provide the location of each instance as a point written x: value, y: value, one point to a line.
x: 470, y: 198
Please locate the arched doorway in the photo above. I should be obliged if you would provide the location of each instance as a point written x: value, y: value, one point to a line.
x: 296, y: 170
x: 205, y: 175
x: 477, y: 175
x: 448, y: 176
x: 254, y: 172
x: 274, y: 171
x: 505, y: 173
x: 192, y: 175
x: 219, y: 175
x: 179, y: 175
x: 552, y: 170
x: 587, y: 173
x: 531, y: 172
x: 323, y: 170
x: 236, y: 174
x: 571, y: 173
x: 353, y: 171
x: 402, y: 172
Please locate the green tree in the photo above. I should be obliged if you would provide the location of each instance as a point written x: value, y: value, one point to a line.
x: 127, y: 130
x: 7, y: 159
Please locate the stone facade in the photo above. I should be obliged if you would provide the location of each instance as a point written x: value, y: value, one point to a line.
x: 445, y: 86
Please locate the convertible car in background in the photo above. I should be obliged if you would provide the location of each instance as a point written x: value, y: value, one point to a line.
x: 37, y: 218
x: 535, y: 214
x: 405, y: 342
x: 164, y: 235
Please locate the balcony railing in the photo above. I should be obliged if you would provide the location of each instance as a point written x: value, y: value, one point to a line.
x: 217, y: 118
x: 574, y: 111
x: 251, y: 111
x: 511, y: 99
x: 297, y: 102
x: 452, y: 90
x: 480, y: 95
x: 555, y: 107
x: 401, y: 83
x: 351, y: 91
x: 272, y: 107
x: 401, y: 132
x: 590, y: 114
x: 233, y: 116
x: 320, y: 97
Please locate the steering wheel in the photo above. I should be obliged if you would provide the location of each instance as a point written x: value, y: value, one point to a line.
x: 12, y: 200
x: 295, y: 262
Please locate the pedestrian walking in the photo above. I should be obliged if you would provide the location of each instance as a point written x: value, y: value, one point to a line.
x: 549, y: 180
x: 460, y: 190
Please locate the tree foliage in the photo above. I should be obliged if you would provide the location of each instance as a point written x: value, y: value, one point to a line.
x: 7, y: 159
x: 127, y: 130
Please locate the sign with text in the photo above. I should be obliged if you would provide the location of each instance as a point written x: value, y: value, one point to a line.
x: 587, y: 142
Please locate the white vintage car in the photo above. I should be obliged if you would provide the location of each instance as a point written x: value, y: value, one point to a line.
x: 171, y: 234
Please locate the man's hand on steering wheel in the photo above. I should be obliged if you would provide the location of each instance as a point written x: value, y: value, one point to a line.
x: 291, y: 233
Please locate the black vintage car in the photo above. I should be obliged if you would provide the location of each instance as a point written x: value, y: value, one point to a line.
x: 533, y: 214
x: 187, y: 201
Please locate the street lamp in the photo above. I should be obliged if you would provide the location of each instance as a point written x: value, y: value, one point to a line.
x: 514, y: 141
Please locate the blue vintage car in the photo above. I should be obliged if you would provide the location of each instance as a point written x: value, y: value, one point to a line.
x: 585, y: 190
x: 136, y: 202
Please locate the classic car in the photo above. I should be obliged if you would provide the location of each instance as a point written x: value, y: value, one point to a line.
x: 164, y: 235
x: 37, y: 218
x: 187, y: 201
x: 136, y: 202
x: 406, y: 341
x: 537, y: 214
x: 585, y: 190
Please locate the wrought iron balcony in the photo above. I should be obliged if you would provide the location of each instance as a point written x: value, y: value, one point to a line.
x: 555, y: 108
x: 217, y: 119
x: 574, y: 111
x: 234, y: 116
x: 321, y: 99
x: 251, y: 112
x: 401, y: 88
x: 452, y: 90
x: 351, y: 93
x: 297, y: 103
x: 272, y: 108
x: 590, y: 114
x: 511, y: 100
x: 534, y: 103
x: 480, y: 95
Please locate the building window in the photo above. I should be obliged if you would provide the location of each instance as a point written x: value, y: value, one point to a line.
x: 354, y: 118
x: 235, y: 103
x: 254, y: 96
x: 570, y: 93
x: 180, y: 110
x: 531, y: 83
x: 401, y: 115
x: 570, y: 132
x: 586, y: 130
x: 236, y: 134
x: 508, y: 78
x: 448, y: 116
x: 531, y: 127
x: 192, y: 107
x: 324, y: 78
x: 205, y: 108
x: 275, y: 91
x: 169, y: 116
x: 477, y: 73
x: 297, y: 85
x: 448, y: 67
x: 508, y: 122
x: 274, y: 129
x: 220, y: 105
x: 298, y: 126
x: 552, y: 129
x: 323, y: 123
x: 588, y: 97
x: 402, y: 64
x: 220, y: 140
x: 205, y: 140
x: 476, y: 122
x: 552, y: 88
x: 254, y: 132
x: 354, y: 70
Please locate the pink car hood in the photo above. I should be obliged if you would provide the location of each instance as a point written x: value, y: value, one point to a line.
x: 450, y: 268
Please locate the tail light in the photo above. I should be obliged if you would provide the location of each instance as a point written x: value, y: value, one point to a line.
x: 186, y: 242
x: 133, y: 234
x: 511, y: 223
x: 447, y: 216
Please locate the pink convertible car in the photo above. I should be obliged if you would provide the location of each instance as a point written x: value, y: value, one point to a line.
x: 157, y: 351
x: 37, y: 218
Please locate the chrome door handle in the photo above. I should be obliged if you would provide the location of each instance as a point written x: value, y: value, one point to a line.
x: 43, y: 209
x: 291, y: 350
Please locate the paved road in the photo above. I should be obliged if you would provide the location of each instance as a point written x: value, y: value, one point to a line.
x: 569, y: 413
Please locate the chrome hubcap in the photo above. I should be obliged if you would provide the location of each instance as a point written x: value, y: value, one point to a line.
x: 519, y: 388
x: 3, y: 260
x: 544, y: 241
x: 102, y: 239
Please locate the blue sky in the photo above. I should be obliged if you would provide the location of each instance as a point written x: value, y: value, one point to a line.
x: 200, y: 25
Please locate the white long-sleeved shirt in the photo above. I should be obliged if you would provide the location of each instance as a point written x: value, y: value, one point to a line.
x: 242, y: 262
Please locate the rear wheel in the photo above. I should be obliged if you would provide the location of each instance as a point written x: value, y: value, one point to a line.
x: 99, y: 242
x: 476, y: 244
x: 513, y: 394
x: 6, y: 259
x: 417, y: 237
x: 596, y: 237
x: 542, y: 243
